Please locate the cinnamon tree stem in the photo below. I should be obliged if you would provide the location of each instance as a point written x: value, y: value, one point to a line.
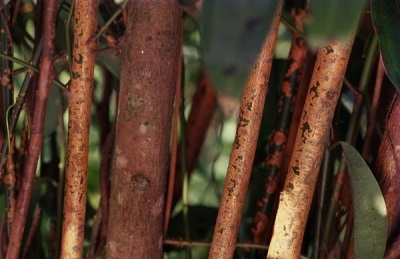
x: 314, y: 129
x: 80, y: 101
x: 244, y: 146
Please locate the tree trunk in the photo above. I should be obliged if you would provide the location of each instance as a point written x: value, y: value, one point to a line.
x: 140, y: 161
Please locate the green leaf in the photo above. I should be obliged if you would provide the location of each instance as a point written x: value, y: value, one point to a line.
x: 232, y: 35
x: 386, y: 19
x: 370, y: 215
x: 332, y: 20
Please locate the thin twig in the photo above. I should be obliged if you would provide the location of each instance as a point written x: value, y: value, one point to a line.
x: 32, y: 232
x: 174, y: 148
x: 111, y: 20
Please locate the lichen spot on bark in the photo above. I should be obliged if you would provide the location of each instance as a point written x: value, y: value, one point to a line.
x: 121, y: 162
x: 158, y: 207
x: 143, y: 128
x: 139, y: 182
x: 112, y: 245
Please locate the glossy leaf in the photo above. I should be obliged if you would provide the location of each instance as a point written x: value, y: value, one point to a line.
x: 386, y: 19
x: 370, y: 215
x: 332, y: 19
x: 232, y: 35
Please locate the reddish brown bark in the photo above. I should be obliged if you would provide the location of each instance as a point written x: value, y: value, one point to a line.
x: 36, y: 136
x: 80, y: 101
x: 150, y: 59
x: 244, y: 146
x: 104, y: 183
x: 388, y: 170
x: 174, y: 146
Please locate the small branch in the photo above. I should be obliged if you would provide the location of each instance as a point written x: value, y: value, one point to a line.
x: 31, y: 67
x: 19, y: 61
x: 174, y: 148
x: 182, y: 243
x: 68, y: 37
x: 292, y: 27
x: 380, y: 74
x: 32, y: 232
x: 111, y: 20
x: 104, y: 184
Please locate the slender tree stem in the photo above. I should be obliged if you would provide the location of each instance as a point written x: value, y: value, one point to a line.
x: 314, y: 129
x: 243, y: 151
x: 80, y: 101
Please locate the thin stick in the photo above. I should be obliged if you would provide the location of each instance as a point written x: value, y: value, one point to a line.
x: 174, y: 148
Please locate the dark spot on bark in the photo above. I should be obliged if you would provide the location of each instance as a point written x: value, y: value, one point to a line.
x: 79, y: 61
x: 291, y: 186
x: 75, y: 75
x: 296, y: 170
x: 232, y: 187
x: 314, y: 89
x: 240, y: 157
x: 243, y: 122
x: 249, y: 106
x: 230, y: 70
x: 237, y: 143
x: 329, y: 50
x: 221, y: 230
x: 305, y: 127
x: 81, y: 180
x: 330, y: 94
x: 76, y: 248
x: 149, y: 38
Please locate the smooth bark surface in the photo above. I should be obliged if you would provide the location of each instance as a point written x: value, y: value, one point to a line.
x: 150, y: 59
x: 243, y: 150
x: 296, y: 197
x: 80, y: 101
